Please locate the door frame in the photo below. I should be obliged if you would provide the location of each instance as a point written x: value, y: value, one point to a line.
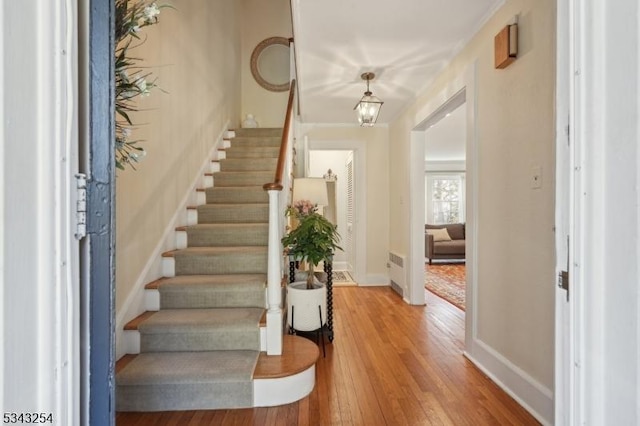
x: 464, y: 86
x: 97, y: 257
x: 566, y: 381
x: 360, y: 199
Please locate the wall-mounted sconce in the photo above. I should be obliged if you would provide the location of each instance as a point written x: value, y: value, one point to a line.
x: 506, y: 46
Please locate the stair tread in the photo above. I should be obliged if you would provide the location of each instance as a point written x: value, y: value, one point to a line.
x: 230, y: 226
x: 229, y: 205
x: 247, y: 188
x: 134, y: 323
x: 298, y: 354
x: 243, y: 172
x: 185, y: 280
x: 251, y: 160
x: 218, y: 250
x: 227, y: 235
x: 201, y: 319
x: 236, y: 194
x: 188, y: 367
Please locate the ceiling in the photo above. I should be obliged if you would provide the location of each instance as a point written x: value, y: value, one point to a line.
x: 405, y: 43
x: 446, y: 139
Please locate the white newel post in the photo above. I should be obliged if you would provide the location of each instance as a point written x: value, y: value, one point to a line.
x: 274, y: 277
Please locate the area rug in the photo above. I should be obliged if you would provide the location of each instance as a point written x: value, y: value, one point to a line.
x: 447, y: 280
x: 342, y: 278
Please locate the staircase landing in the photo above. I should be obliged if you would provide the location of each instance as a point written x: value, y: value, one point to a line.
x: 277, y: 380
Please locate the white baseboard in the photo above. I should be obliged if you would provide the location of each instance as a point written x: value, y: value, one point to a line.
x: 375, y: 280
x: 135, y: 303
x: 533, y: 396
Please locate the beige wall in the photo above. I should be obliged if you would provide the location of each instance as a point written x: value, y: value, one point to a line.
x: 375, y: 142
x: 261, y: 20
x: 515, y: 132
x: 195, y: 53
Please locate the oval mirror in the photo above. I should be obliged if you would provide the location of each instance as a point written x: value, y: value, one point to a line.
x: 270, y: 64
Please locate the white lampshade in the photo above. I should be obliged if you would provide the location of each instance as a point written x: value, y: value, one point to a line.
x: 312, y: 189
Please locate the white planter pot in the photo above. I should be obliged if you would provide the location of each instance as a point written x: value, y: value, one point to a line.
x: 302, y: 310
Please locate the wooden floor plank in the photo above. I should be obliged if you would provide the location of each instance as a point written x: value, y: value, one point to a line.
x: 390, y: 364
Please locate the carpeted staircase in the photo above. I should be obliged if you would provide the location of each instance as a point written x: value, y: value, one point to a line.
x: 199, y: 350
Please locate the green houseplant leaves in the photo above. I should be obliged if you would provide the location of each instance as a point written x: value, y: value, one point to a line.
x: 313, y: 240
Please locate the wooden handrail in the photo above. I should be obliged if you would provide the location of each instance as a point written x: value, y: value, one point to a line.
x: 276, y: 185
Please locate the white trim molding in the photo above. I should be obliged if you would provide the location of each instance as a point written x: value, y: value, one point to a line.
x: 533, y: 396
x: 283, y: 390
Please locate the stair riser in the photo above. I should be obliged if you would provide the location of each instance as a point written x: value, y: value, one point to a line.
x: 250, y: 263
x: 206, y: 340
x: 258, y: 132
x: 179, y: 397
x: 192, y: 216
x: 205, y: 299
x: 233, y: 214
x: 224, y: 195
x: 255, y: 142
x: 248, y: 164
x: 242, y: 179
x: 201, y: 197
x: 227, y: 237
x: 133, y: 338
x: 181, y: 240
x: 254, y: 152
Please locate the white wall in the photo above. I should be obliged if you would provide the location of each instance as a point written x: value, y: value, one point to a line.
x: 319, y: 163
x: 195, y: 53
x: 513, y: 132
x: 260, y: 20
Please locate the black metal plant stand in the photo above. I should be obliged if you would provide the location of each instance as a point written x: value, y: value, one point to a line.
x: 328, y: 268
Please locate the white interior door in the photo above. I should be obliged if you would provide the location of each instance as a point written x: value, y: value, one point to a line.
x: 350, y: 230
x: 38, y: 145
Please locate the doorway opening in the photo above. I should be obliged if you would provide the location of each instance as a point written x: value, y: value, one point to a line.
x: 463, y: 100
x: 445, y: 204
x: 338, y: 169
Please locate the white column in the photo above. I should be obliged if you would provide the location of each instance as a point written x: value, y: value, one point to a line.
x: 274, y: 277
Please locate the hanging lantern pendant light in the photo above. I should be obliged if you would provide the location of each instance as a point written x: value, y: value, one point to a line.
x: 369, y: 106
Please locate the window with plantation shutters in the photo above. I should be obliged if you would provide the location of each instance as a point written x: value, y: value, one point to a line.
x: 348, y: 237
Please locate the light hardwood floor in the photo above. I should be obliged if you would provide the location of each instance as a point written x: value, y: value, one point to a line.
x: 390, y: 364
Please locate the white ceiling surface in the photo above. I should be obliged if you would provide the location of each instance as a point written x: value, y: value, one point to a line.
x: 405, y: 42
x: 446, y: 139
